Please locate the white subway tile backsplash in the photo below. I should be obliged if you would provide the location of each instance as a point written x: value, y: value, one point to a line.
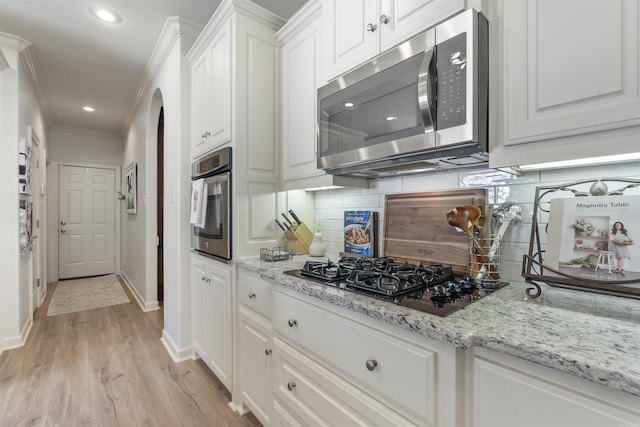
x: 331, y: 204
x: 430, y: 182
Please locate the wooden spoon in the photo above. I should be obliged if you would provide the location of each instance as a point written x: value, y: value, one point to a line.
x: 458, y: 217
x: 475, y: 213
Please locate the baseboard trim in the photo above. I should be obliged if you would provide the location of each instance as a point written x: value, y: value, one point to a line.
x: 144, y: 306
x: 177, y: 354
x: 18, y: 340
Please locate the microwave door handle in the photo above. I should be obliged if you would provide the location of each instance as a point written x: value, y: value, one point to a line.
x: 426, y: 90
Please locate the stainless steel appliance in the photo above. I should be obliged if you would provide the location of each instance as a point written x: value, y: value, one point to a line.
x: 433, y: 289
x: 214, y: 239
x: 421, y: 106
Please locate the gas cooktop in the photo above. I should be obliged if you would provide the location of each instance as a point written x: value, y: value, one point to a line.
x: 432, y: 289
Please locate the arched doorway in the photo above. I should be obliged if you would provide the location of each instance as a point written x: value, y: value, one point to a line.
x: 160, y: 205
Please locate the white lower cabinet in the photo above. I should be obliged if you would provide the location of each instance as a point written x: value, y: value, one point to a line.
x: 211, y: 316
x: 507, y: 391
x: 384, y: 372
x: 319, y: 397
x: 255, y: 365
x: 255, y: 337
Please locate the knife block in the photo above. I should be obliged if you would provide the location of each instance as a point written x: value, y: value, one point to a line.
x: 299, y: 239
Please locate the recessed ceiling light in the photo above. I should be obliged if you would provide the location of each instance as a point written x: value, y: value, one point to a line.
x: 348, y: 104
x: 88, y: 108
x: 105, y: 14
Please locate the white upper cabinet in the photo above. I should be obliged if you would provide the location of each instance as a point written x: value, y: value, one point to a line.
x: 357, y: 30
x: 566, y: 78
x: 301, y: 65
x: 211, y: 94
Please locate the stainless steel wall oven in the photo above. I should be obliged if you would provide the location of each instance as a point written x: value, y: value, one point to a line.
x: 211, y: 205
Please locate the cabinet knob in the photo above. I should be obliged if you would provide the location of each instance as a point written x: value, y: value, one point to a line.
x: 63, y: 231
x: 371, y: 364
x: 384, y: 19
x: 252, y: 295
x: 371, y: 27
x: 291, y: 385
x: 206, y: 134
x: 268, y: 351
x: 292, y: 323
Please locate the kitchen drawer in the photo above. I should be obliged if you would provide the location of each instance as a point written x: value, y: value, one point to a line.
x: 400, y: 372
x: 318, y: 397
x: 255, y: 293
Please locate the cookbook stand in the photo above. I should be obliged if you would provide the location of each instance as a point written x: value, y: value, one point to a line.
x: 591, y: 275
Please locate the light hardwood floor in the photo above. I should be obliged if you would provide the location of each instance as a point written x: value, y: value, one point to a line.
x: 107, y: 367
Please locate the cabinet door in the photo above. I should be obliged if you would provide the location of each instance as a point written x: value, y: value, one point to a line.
x: 568, y: 73
x: 405, y: 18
x: 255, y: 365
x: 200, y: 309
x: 348, y: 42
x: 300, y: 63
x: 220, y: 83
x: 504, y: 387
x: 199, y: 106
x: 220, y: 323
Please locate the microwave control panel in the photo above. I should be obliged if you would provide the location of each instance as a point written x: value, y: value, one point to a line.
x: 451, y: 66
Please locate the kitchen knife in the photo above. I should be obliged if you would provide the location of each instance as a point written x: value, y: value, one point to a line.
x: 287, y: 221
x: 295, y: 217
x: 280, y: 225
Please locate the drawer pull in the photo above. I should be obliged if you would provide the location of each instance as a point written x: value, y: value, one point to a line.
x: 291, y: 385
x: 252, y: 295
x: 292, y: 323
x: 371, y: 364
x: 268, y: 351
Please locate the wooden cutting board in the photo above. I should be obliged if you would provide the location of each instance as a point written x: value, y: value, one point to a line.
x: 416, y: 228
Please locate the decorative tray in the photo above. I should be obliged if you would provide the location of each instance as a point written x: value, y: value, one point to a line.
x: 275, y: 254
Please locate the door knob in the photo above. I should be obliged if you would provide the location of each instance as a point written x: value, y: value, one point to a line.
x: 63, y: 222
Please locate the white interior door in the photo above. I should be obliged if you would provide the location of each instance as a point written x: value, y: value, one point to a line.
x: 86, y: 222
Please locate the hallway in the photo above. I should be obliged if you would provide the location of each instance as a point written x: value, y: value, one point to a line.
x: 107, y: 367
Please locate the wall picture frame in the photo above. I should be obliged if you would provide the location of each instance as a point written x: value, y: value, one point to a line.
x: 131, y: 188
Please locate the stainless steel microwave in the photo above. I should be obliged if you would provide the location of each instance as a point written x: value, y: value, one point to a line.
x: 420, y: 106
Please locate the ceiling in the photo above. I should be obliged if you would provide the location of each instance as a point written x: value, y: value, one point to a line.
x: 83, y: 61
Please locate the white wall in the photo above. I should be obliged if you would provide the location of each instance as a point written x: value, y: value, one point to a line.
x: 168, y: 86
x: 20, y: 109
x: 501, y: 187
x: 79, y: 146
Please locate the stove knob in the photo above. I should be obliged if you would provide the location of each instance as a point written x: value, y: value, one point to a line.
x: 292, y: 323
x: 371, y: 364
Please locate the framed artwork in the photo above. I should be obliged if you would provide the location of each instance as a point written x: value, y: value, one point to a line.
x: 131, y: 184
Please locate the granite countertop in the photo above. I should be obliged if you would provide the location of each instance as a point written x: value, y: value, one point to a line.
x: 592, y: 336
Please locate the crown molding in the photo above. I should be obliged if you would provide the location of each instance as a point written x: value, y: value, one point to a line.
x: 175, y: 29
x: 29, y: 64
x: 299, y: 21
x: 4, y: 64
x: 226, y: 9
